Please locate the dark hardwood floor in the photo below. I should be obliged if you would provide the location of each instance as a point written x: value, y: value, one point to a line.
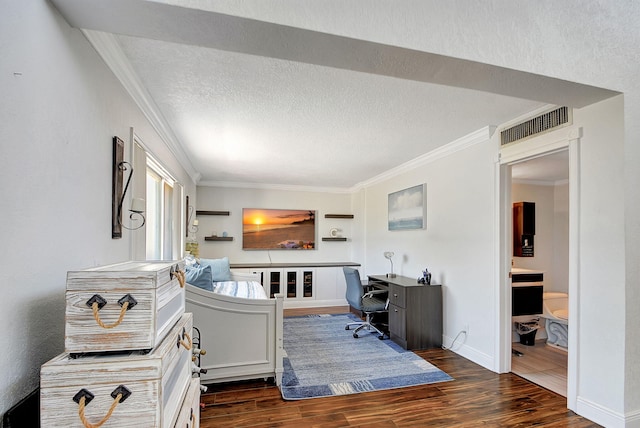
x: 477, y: 397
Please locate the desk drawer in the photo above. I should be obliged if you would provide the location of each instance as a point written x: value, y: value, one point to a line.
x: 398, y: 325
x: 398, y: 295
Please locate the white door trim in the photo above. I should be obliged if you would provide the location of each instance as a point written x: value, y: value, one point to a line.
x: 563, y: 139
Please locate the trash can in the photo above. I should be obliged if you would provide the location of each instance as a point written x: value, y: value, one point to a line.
x: 527, y: 331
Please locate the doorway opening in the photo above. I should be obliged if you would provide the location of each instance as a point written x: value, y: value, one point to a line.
x: 553, y: 143
x: 541, y: 355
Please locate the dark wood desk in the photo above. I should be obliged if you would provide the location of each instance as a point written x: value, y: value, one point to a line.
x: 415, y: 311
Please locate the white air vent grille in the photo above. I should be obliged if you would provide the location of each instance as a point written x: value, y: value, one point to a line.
x: 537, y: 125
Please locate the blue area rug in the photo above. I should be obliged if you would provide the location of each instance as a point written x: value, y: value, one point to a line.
x: 323, y: 359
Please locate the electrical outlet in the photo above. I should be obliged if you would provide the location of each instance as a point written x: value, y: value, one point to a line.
x: 465, y: 328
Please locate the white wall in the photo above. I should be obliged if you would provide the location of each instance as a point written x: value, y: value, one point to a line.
x: 600, y: 282
x: 457, y: 245
x: 601, y: 320
x: 235, y: 199
x: 60, y: 108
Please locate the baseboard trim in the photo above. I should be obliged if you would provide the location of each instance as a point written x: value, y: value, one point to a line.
x: 602, y: 415
x: 470, y: 353
x: 632, y: 419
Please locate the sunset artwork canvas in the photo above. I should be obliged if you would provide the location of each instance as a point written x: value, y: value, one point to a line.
x: 275, y: 229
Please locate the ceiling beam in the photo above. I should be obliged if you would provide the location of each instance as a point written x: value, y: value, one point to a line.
x: 182, y: 25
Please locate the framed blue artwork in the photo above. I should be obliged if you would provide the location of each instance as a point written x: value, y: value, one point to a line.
x: 407, y: 208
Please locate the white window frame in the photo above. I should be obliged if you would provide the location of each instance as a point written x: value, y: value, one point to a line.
x: 170, y: 230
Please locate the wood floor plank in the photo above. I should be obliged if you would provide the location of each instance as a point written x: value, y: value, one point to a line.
x: 476, y: 397
x: 542, y: 364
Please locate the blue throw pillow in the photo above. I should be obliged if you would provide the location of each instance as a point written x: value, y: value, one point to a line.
x: 200, y: 276
x: 219, y: 268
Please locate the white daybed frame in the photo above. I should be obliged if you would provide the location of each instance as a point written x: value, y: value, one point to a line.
x: 242, y: 337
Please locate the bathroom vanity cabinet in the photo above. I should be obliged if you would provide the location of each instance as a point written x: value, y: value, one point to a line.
x: 526, y: 292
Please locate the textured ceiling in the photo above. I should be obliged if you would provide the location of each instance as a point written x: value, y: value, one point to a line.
x: 249, y: 118
x: 252, y: 102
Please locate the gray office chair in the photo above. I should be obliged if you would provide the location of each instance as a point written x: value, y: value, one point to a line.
x: 371, y: 302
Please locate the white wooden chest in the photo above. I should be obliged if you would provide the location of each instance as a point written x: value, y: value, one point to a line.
x: 136, y: 303
x: 157, y: 383
x: 189, y: 416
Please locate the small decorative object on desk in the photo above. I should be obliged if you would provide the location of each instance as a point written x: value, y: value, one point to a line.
x: 425, y: 278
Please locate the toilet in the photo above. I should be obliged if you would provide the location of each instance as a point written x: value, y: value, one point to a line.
x: 555, y: 311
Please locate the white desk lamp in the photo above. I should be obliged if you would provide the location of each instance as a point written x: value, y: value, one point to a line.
x: 389, y: 255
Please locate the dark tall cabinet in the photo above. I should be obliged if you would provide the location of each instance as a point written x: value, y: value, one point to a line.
x: 524, y: 228
x: 415, y: 311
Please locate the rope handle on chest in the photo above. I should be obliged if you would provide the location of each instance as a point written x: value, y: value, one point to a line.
x: 180, y: 274
x: 84, y: 397
x: 97, y: 302
x: 184, y: 344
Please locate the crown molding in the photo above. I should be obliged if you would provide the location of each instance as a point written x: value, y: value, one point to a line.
x: 266, y: 186
x: 462, y: 143
x: 108, y: 48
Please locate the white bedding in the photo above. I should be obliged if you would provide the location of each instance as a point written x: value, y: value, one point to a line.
x: 243, y: 289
